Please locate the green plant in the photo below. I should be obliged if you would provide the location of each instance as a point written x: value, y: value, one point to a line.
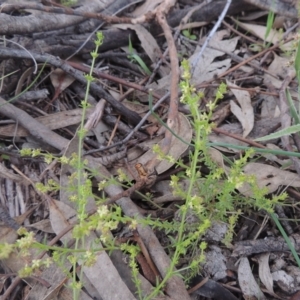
x: 270, y: 22
x: 69, y: 3
x: 187, y: 33
x: 132, y: 55
x: 209, y: 198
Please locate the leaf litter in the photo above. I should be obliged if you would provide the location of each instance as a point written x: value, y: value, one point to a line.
x: 251, y: 111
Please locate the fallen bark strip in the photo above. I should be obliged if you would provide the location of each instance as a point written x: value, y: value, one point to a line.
x: 65, y: 44
x: 95, y: 89
x: 48, y: 21
x: 271, y: 244
x: 281, y: 7
x: 43, y: 21
x: 36, y: 129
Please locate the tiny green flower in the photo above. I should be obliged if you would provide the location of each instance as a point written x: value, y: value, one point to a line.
x: 36, y: 263
x: 103, y: 211
x: 47, y: 262
x: 26, y: 152
x: 48, y: 159
x: 133, y: 225
x: 36, y: 152
x: 5, y: 250
x: 102, y: 184
x: 188, y: 172
x: 25, y: 272
x: 64, y: 160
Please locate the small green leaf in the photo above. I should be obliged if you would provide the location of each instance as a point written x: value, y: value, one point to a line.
x: 5, y: 157
x: 186, y: 33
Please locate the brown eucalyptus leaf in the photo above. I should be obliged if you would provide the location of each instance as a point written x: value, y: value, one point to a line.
x: 61, y: 216
x: 184, y: 130
x: 275, y: 36
x: 147, y: 6
x: 244, y: 112
x: 279, y: 67
x: 264, y: 271
x: 26, y: 76
x: 270, y: 177
x: 43, y: 225
x: 247, y: 283
x: 60, y: 79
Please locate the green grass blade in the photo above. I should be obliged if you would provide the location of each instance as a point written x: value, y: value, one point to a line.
x: 270, y: 22
x: 286, y: 238
x: 258, y: 150
x: 293, y: 109
x: 29, y: 87
x: 297, y: 63
x: 280, y: 133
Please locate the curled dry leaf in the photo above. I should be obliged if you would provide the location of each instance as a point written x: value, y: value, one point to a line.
x: 244, y: 112
x: 60, y: 79
x: 270, y: 177
x: 264, y: 271
x: 247, y: 282
x: 207, y: 67
x: 43, y: 225
x: 280, y: 67
x: 260, y: 31
x: 148, y: 5
x: 184, y: 131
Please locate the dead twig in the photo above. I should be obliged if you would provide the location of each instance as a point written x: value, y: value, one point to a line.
x: 173, y: 108
x: 38, y: 130
x: 74, y: 12
x: 95, y: 89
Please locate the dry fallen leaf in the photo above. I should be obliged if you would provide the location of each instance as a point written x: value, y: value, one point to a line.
x: 279, y: 67
x: 270, y: 177
x: 264, y: 271
x: 244, y: 112
x: 247, y: 283
x: 60, y: 79
x: 260, y: 31
x: 182, y: 129
x: 148, y: 5
x: 207, y: 67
